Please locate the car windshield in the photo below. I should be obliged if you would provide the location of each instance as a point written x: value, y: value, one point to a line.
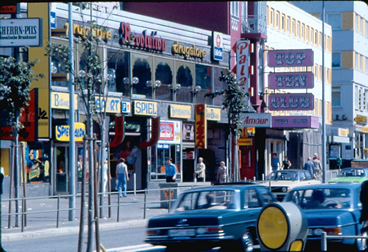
x: 321, y: 198
x: 348, y: 172
x: 283, y: 175
x: 215, y: 199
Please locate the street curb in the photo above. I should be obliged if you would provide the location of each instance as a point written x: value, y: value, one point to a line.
x: 69, y: 230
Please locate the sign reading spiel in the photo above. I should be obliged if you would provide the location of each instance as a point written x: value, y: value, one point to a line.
x: 292, y: 80
x: 290, y: 58
x: 200, y: 126
x: 290, y: 102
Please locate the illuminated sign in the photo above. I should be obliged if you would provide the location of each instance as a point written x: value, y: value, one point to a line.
x: 213, y: 114
x: 145, y: 108
x: 126, y: 107
x: 217, y: 46
x: 290, y: 58
x: 187, y: 51
x: 259, y: 120
x: 242, y: 64
x: 84, y: 31
x: 360, y: 119
x: 343, y: 132
x: 290, y: 102
x: 181, y: 111
x: 61, y: 100
x: 170, y: 132
x: 144, y: 41
x: 295, y: 122
x: 113, y: 105
x: 200, y: 126
x: 292, y: 80
x: 21, y: 32
x: 62, y: 132
x: 245, y: 141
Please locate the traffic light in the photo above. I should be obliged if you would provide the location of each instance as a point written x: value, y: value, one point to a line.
x: 282, y: 227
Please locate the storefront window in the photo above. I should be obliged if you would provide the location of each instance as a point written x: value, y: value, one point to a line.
x: 203, y: 84
x: 164, y: 74
x: 57, y: 68
x: 184, y: 78
x: 218, y: 86
x: 119, y: 62
x: 36, y: 163
x: 142, y: 69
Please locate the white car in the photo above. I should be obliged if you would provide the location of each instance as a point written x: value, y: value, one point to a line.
x: 282, y: 181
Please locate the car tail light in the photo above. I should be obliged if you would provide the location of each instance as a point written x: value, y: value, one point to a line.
x: 153, y: 232
x: 213, y: 230
x: 333, y: 231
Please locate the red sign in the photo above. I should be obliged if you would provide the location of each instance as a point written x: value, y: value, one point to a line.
x: 242, y: 63
x: 155, y: 122
x: 200, y: 126
x: 8, y: 9
x: 28, y: 118
x: 167, y: 131
x: 119, y: 131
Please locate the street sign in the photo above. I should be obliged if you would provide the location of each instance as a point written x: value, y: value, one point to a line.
x: 21, y: 32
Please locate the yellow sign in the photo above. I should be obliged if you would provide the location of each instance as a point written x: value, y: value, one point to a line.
x: 213, y: 114
x: 62, y: 132
x: 342, y: 132
x: 360, y: 119
x: 187, y: 51
x: 245, y: 141
x: 145, y: 108
x: 41, y: 10
x: 61, y: 100
x: 364, y: 129
x: 180, y: 111
x: 113, y: 105
x: 84, y: 31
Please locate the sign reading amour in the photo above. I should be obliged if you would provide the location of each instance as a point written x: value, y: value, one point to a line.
x: 187, y: 51
x: 20, y: 32
x: 145, y: 41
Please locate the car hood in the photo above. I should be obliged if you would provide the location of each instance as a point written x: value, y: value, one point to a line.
x: 348, y: 180
x: 327, y: 217
x: 189, y: 218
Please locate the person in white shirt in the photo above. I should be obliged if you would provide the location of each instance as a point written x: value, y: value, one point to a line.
x: 122, y: 176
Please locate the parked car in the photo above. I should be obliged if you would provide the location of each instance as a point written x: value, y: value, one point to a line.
x: 282, y: 181
x: 351, y: 175
x: 331, y: 208
x: 203, y: 218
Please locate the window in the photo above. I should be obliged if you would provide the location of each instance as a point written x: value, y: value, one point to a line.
x: 283, y: 22
x: 278, y: 19
x: 356, y: 23
x: 320, y: 39
x: 293, y: 27
x: 272, y: 11
x: 163, y: 73
x: 303, y: 30
x: 288, y: 24
x: 142, y: 68
x: 336, y: 60
x: 356, y: 97
x: 203, y: 84
x: 184, y: 78
x: 366, y: 29
x: 366, y: 65
x: 361, y: 63
x: 307, y: 34
x: 218, y: 85
x: 119, y: 62
x: 234, y: 9
x: 334, y: 20
x: 356, y: 61
x: 361, y: 26
x: 297, y: 29
x: 251, y: 198
x: 315, y: 37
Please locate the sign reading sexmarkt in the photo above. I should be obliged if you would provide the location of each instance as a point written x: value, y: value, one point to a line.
x: 21, y: 32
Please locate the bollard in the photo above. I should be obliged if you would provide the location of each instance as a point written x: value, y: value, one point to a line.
x: 58, y: 211
x: 145, y: 204
x: 169, y: 199
x: 254, y: 178
x: 323, y: 241
x: 263, y: 177
x: 118, y: 210
x: 135, y: 184
x: 22, y: 223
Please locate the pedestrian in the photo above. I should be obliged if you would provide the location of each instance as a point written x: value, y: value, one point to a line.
x: 221, y: 173
x: 286, y: 164
x: 275, y: 162
x: 170, y: 170
x: 308, y: 165
x: 122, y: 176
x: 200, y: 171
x: 317, y: 167
x: 104, y: 177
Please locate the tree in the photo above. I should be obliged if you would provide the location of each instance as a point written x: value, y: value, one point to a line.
x: 15, y: 80
x: 234, y: 103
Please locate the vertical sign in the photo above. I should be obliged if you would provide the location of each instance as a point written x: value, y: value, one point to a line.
x: 200, y: 126
x: 242, y: 64
x: 217, y: 46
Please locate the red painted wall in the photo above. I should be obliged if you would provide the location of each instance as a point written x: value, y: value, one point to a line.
x: 212, y: 16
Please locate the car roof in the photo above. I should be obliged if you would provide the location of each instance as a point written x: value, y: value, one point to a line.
x: 324, y: 186
x: 226, y: 186
x: 294, y: 170
x: 350, y: 168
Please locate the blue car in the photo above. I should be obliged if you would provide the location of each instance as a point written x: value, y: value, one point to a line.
x: 331, y: 208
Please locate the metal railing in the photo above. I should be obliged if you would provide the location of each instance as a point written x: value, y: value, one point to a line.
x: 324, y: 238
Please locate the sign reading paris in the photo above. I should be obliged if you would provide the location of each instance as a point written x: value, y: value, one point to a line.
x: 20, y: 32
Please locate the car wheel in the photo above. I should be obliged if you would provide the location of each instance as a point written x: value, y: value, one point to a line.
x: 362, y: 243
x: 246, y: 242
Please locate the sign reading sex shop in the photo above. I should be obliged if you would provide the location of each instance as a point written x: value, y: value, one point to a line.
x: 277, y: 102
x: 290, y: 58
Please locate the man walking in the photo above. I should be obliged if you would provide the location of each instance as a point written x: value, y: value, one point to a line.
x: 122, y: 176
x: 170, y: 170
x: 309, y: 166
x: 317, y: 167
x: 200, y: 171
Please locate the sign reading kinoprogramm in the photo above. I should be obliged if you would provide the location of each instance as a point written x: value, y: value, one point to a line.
x: 290, y: 58
x: 20, y: 32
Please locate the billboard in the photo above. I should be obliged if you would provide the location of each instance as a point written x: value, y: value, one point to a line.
x: 290, y: 58
x: 291, y: 80
x: 277, y: 102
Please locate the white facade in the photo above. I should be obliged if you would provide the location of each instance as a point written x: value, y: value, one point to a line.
x: 349, y: 21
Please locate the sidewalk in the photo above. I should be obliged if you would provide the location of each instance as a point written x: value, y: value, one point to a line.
x: 42, y: 215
